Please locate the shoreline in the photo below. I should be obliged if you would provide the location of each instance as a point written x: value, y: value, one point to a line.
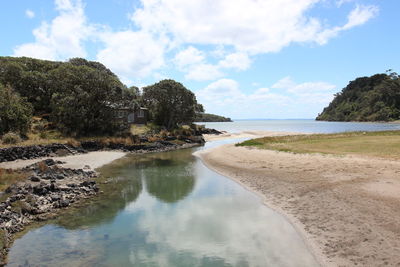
x: 343, y: 207
x: 94, y: 160
x: 78, y: 184
x: 245, y: 134
x: 309, y: 243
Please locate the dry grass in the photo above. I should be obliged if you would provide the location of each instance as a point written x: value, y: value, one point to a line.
x: 8, y: 177
x: 139, y: 129
x: 385, y: 144
x: 42, y: 138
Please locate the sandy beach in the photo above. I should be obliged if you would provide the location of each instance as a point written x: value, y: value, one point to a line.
x: 244, y: 134
x: 94, y: 160
x: 345, y: 207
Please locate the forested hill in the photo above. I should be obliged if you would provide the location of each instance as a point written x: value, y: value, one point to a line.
x: 375, y: 98
x: 207, y: 117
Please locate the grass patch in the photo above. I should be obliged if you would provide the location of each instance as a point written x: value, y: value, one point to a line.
x: 9, y: 177
x: 137, y: 129
x: 383, y: 144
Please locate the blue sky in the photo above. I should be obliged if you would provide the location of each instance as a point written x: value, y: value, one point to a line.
x: 243, y: 59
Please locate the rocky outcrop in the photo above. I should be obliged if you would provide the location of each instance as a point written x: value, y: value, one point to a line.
x: 209, y: 131
x: 37, y: 151
x: 48, y: 189
x: 157, y: 146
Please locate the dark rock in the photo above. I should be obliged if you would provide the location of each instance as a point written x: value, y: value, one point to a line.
x: 34, y: 178
x: 35, y: 151
x: 49, y: 162
x: 64, y: 203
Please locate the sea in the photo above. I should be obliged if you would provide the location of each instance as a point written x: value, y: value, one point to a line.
x: 300, y: 125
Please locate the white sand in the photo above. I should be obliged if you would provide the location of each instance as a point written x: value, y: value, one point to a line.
x: 93, y: 159
x: 347, y: 208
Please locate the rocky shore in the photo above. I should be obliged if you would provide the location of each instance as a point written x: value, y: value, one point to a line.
x: 47, y: 189
x: 51, y: 150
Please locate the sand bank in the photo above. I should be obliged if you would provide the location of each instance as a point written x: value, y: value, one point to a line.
x: 92, y: 159
x: 347, y: 208
x: 245, y: 134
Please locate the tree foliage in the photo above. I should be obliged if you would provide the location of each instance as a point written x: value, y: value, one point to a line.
x: 207, y: 117
x: 375, y: 98
x: 170, y: 103
x: 77, y: 94
x: 81, y: 103
x: 15, y: 111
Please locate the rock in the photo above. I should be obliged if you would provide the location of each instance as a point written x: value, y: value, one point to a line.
x: 55, y: 197
x: 64, y: 203
x: 34, y: 178
x: 86, y: 167
x: 49, y: 162
x: 36, y: 151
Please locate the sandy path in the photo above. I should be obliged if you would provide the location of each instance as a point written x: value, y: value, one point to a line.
x: 93, y: 159
x: 347, y: 208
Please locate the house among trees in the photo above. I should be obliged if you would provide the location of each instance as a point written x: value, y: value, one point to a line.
x: 132, y: 113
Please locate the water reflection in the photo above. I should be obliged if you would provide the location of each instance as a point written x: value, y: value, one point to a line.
x: 168, y: 185
x: 166, y: 209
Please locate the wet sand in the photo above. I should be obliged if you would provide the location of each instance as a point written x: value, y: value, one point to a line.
x: 347, y: 208
x: 94, y: 160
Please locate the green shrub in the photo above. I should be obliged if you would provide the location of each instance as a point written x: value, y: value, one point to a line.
x: 11, y: 138
x: 15, y: 112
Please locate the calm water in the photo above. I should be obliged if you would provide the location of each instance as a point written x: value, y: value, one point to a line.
x: 303, y: 126
x: 168, y: 209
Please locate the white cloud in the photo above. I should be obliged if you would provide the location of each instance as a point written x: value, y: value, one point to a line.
x: 131, y: 54
x: 221, y: 89
x: 247, y: 25
x: 339, y: 3
x: 192, y: 61
x: 283, y: 83
x: 29, y: 13
x: 303, y: 88
x: 188, y: 57
x: 62, y: 38
x: 358, y: 16
x: 238, y: 61
x: 203, y: 72
x: 232, y: 36
x: 226, y: 98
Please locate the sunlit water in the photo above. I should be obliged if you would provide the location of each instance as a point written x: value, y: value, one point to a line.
x: 302, y: 126
x: 168, y: 209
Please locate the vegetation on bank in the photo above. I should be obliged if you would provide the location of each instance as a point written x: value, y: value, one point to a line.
x: 44, y: 100
x: 8, y: 177
x: 375, y: 98
x: 207, y: 117
x: 383, y: 144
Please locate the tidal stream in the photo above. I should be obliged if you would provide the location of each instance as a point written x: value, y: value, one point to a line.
x: 165, y: 209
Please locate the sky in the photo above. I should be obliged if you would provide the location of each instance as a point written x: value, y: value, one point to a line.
x: 272, y: 59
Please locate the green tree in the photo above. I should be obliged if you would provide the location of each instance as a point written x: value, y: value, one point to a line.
x: 15, y: 111
x: 83, y: 99
x: 375, y: 98
x: 170, y: 103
